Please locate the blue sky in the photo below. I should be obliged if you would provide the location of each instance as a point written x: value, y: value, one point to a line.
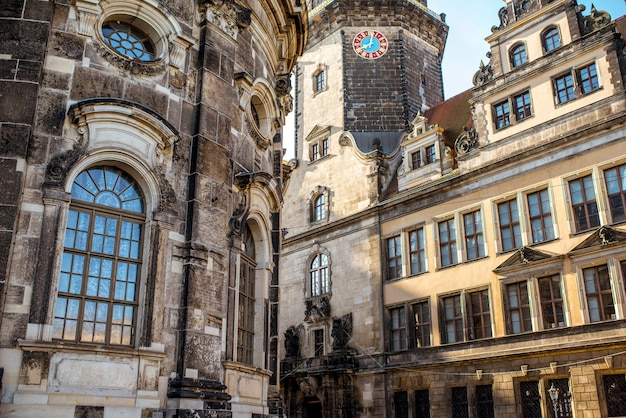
x: 470, y: 23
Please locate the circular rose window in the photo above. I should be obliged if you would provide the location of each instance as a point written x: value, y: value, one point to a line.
x: 129, y: 41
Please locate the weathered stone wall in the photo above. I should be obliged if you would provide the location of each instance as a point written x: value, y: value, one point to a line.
x: 57, y: 77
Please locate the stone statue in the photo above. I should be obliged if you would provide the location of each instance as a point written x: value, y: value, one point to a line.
x: 292, y: 342
x: 342, y: 331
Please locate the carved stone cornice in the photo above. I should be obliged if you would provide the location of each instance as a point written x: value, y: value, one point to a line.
x: 228, y: 15
x: 132, y: 66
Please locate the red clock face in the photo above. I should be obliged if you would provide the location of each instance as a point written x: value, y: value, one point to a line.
x: 370, y: 44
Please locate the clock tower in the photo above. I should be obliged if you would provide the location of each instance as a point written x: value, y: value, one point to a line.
x: 381, y: 58
x: 370, y: 68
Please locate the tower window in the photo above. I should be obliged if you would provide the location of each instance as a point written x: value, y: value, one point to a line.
x: 319, y: 79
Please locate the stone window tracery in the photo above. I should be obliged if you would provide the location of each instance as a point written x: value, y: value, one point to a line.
x: 97, y: 297
x: 129, y: 40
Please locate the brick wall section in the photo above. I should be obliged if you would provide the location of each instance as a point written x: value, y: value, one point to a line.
x: 24, y: 28
x: 385, y: 94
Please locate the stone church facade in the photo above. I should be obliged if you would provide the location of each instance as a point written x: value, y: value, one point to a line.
x: 457, y: 258
x: 141, y: 184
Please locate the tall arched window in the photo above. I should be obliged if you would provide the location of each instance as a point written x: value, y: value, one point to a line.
x: 245, y: 331
x: 551, y: 39
x: 97, y: 297
x: 319, y: 275
x: 319, y: 207
x: 518, y: 55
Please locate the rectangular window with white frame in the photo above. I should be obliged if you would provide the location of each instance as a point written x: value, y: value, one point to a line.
x: 447, y: 243
x: 410, y: 325
x: 540, y: 216
x: 535, y: 303
x: 599, y: 293
x: 417, y: 251
x: 509, y: 225
x: 615, y: 181
x: 583, y: 202
x: 465, y: 316
x: 473, y: 234
x: 394, y: 257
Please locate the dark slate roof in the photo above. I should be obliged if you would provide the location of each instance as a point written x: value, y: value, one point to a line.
x: 388, y: 140
x: 452, y: 115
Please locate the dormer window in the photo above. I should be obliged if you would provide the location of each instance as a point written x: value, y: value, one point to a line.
x: 512, y: 110
x: 573, y: 84
x: 416, y: 159
x: 423, y: 156
x: 431, y: 154
x: 518, y: 55
x: 551, y: 39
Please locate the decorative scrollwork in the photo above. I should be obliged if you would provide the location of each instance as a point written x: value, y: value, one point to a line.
x: 132, y: 66
x: 60, y: 164
x: 503, y: 15
x: 240, y: 215
x: 596, y: 20
x: 316, y: 309
x: 467, y: 141
x: 606, y: 235
x: 484, y: 73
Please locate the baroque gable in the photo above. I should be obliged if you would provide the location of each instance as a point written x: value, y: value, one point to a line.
x: 524, y: 258
x: 603, y: 238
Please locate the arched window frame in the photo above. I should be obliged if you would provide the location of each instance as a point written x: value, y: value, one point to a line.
x: 551, y: 39
x: 246, y: 326
x: 313, y: 270
x: 518, y: 54
x: 319, y: 204
x: 319, y: 79
x: 319, y: 275
x: 86, y: 295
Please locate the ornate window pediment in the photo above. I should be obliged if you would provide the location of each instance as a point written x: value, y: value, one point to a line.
x: 526, y: 257
x: 133, y: 35
x: 127, y: 126
x: 602, y: 239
